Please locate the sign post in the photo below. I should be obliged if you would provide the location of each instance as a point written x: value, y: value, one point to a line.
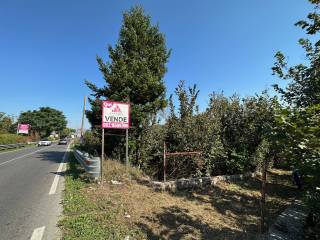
x: 164, y: 160
x: 127, y: 148
x: 102, y: 156
x: 115, y: 115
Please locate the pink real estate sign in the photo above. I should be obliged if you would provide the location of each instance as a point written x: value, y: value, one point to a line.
x: 23, y: 128
x: 115, y: 115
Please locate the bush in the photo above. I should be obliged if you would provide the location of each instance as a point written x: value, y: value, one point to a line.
x: 51, y: 138
x: 313, y: 203
x: 9, y: 138
x: 91, y: 143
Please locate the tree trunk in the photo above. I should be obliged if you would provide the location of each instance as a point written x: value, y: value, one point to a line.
x: 263, y: 197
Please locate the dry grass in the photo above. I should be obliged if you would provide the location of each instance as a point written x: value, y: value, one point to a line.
x: 228, y: 211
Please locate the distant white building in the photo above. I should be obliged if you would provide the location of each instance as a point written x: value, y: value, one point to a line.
x: 78, y: 133
x: 54, y: 135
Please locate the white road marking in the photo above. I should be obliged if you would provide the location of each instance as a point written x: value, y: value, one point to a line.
x: 23, y: 156
x: 37, y: 233
x: 60, y: 169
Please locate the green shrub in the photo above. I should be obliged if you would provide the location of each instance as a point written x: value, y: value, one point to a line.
x: 9, y: 138
x: 51, y: 138
x: 91, y: 143
x: 313, y: 203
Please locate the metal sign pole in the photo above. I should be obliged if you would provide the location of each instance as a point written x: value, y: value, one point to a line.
x: 127, y: 147
x: 102, y: 156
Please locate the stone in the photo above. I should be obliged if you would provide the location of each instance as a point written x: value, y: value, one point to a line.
x: 114, y: 182
x: 289, y: 224
x: 191, y: 183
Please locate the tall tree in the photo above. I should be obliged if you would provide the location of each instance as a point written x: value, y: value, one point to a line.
x: 295, y: 128
x: 67, y: 132
x: 5, y: 123
x: 304, y: 88
x: 135, y: 72
x: 44, y: 121
x: 298, y: 123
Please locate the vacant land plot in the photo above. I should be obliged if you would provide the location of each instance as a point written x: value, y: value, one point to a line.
x: 132, y: 210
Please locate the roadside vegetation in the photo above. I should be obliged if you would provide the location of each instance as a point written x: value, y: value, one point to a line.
x: 42, y: 123
x: 9, y: 138
x: 6, y: 122
x: 88, y: 216
x: 233, y: 134
x: 132, y: 209
x: 8, y: 133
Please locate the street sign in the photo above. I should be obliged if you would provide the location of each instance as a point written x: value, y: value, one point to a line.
x: 115, y: 115
x: 23, y: 128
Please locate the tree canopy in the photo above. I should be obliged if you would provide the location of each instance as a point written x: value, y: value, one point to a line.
x: 44, y: 121
x: 5, y: 123
x: 297, y: 122
x: 67, y: 132
x: 304, y: 86
x: 297, y: 129
x: 136, y: 70
x: 134, y: 74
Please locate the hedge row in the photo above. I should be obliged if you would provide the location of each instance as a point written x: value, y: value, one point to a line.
x: 9, y: 138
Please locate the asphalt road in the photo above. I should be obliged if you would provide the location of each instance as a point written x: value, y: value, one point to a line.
x: 30, y: 193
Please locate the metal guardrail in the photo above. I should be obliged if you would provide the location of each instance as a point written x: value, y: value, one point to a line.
x: 89, y: 163
x: 17, y: 145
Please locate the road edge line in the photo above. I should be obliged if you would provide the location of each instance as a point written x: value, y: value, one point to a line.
x: 38, y: 233
x: 55, y: 182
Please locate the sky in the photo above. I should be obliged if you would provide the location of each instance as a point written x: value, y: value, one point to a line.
x: 49, y: 48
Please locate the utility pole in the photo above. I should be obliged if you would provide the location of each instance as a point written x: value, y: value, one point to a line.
x: 84, y: 110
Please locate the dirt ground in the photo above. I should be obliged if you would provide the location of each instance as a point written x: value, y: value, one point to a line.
x: 227, y: 211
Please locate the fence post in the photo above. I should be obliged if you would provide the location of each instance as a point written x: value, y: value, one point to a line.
x: 164, y: 161
x: 263, y: 196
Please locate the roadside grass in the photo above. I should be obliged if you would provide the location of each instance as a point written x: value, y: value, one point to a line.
x: 87, y: 215
x: 227, y: 211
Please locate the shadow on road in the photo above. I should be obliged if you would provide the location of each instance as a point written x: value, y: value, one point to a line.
x: 52, y: 155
